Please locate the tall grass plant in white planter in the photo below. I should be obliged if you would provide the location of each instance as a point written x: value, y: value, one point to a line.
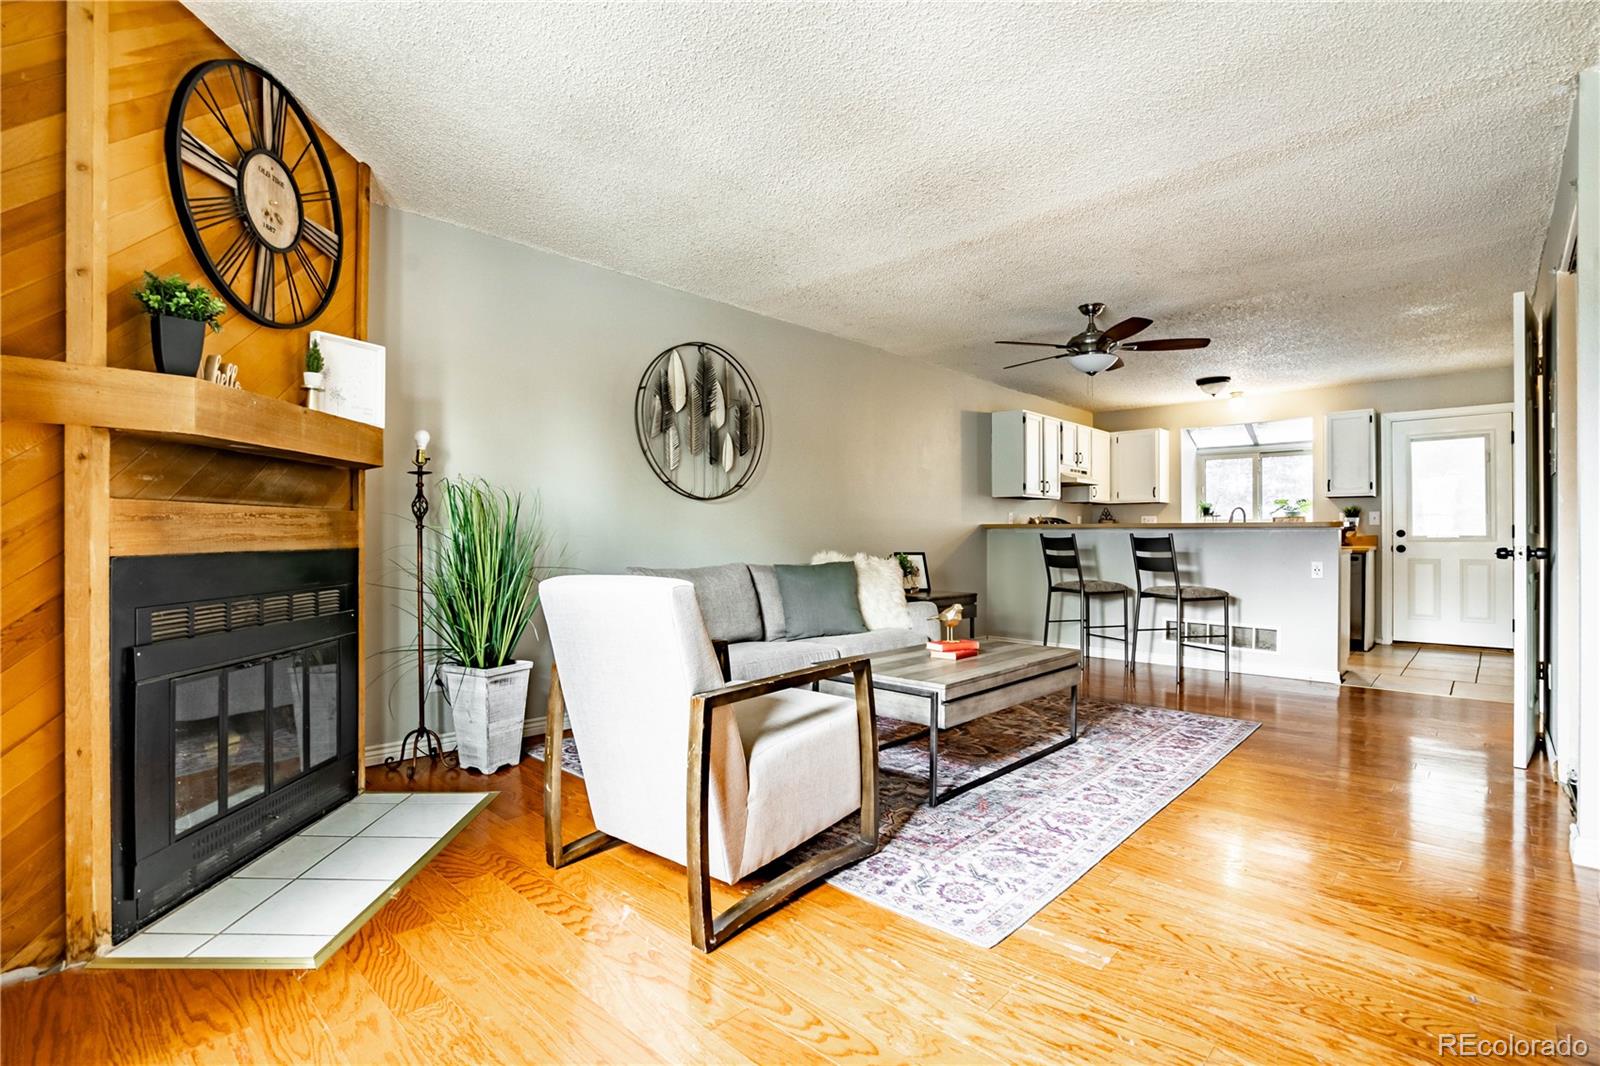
x: 483, y: 585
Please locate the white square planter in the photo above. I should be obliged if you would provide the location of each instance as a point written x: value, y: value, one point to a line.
x: 488, y: 708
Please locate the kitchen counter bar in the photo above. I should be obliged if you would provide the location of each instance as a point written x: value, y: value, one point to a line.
x: 1267, y: 566
x: 1085, y: 526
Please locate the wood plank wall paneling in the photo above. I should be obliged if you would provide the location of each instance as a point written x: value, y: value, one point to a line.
x: 150, y: 47
x: 33, y: 105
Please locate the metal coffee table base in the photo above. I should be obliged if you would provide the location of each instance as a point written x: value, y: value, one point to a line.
x: 935, y: 797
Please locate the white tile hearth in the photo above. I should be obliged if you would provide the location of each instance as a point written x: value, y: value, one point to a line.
x: 297, y: 904
x: 372, y: 858
x: 293, y: 857
x: 215, y: 909
x: 310, y: 908
x: 348, y: 820
x: 415, y: 820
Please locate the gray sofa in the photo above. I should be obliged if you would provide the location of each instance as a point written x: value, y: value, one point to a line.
x: 741, y: 606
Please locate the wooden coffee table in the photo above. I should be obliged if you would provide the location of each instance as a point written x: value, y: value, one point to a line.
x: 946, y: 693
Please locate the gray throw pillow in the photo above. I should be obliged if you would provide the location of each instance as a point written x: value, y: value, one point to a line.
x: 726, y: 595
x: 819, y: 601
x: 770, y: 598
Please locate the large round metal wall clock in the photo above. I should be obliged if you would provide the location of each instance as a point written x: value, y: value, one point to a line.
x: 699, y: 421
x: 254, y: 192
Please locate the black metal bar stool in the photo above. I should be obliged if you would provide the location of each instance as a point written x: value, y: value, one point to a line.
x: 1061, y: 555
x: 1159, y: 555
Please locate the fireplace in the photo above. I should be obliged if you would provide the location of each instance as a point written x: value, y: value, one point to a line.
x: 234, y: 711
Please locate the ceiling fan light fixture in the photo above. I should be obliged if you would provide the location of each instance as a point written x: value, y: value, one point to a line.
x: 1213, y: 385
x: 1091, y: 362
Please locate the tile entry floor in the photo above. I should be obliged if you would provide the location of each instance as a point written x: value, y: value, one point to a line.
x: 297, y: 904
x: 1433, y: 670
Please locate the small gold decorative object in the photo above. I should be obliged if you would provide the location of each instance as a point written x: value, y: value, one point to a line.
x: 950, y: 618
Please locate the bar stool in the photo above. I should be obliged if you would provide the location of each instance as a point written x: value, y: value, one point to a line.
x: 1061, y: 554
x: 1159, y: 555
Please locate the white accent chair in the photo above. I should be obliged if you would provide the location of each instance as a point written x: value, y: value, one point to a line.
x: 761, y: 766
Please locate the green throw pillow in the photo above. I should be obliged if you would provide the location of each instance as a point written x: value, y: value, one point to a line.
x: 819, y: 601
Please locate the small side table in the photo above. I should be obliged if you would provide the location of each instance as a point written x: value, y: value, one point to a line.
x: 941, y: 600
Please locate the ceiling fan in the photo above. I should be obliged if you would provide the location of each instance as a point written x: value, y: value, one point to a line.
x: 1096, y: 349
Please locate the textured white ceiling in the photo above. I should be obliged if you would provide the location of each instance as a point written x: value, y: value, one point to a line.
x: 1333, y: 192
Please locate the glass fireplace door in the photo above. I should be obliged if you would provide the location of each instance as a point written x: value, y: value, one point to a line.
x: 242, y: 731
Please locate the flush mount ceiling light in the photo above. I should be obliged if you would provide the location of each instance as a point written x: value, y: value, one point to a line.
x: 1213, y: 386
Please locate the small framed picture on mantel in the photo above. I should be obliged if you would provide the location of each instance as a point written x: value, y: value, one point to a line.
x: 352, y: 377
x: 914, y: 568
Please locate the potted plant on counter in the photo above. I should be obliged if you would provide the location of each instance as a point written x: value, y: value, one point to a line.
x: 484, y: 580
x: 179, y: 314
x: 1352, y: 521
x: 1286, y: 510
x: 1208, y: 512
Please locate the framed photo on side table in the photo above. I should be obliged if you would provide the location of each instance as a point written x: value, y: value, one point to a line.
x: 916, y: 576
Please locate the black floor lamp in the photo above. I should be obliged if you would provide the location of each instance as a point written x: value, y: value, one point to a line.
x: 422, y: 734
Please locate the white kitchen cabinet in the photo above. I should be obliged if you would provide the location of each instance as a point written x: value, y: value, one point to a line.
x: 1140, y: 466
x: 1099, y: 464
x: 1024, y: 455
x: 1350, y: 453
x: 1076, y: 445
x: 1095, y: 485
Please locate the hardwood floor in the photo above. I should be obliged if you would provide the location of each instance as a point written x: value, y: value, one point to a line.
x: 1363, y: 875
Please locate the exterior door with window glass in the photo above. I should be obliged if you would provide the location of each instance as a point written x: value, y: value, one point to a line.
x: 1452, y: 507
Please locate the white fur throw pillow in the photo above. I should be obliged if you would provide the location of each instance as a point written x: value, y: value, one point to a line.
x: 879, y: 588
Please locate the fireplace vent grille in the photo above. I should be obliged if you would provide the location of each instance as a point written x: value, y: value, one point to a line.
x: 181, y: 620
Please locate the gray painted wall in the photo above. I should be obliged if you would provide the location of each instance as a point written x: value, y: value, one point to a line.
x: 523, y: 365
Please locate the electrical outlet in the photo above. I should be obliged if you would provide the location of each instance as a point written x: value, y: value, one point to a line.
x: 1316, y: 569
x: 1374, y: 518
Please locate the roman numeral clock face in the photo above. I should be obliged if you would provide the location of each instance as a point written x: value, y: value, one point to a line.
x: 254, y: 192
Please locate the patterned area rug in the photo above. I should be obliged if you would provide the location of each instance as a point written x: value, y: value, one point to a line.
x: 980, y: 865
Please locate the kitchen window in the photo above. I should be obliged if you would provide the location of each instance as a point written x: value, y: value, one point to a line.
x: 1252, y: 465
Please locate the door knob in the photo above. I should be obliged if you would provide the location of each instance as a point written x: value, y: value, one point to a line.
x: 1400, y: 548
x: 1503, y: 553
x: 1538, y: 553
x: 1399, y: 532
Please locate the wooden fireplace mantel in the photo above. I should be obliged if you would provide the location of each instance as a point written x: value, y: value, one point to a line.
x: 185, y: 409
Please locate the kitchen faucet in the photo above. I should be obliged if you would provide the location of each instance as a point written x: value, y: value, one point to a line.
x: 1241, y: 512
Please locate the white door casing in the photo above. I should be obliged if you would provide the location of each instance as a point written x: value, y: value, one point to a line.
x: 1526, y: 450
x: 1449, y: 500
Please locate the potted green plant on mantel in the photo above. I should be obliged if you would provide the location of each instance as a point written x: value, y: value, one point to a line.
x: 311, y: 377
x: 179, y: 314
x: 1286, y: 510
x: 483, y: 580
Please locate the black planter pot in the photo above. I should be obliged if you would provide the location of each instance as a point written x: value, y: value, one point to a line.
x: 178, y: 344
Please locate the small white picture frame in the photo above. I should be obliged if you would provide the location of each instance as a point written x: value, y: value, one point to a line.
x: 352, y: 377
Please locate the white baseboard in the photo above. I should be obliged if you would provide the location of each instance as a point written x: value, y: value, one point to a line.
x: 1255, y: 668
x: 1585, y: 850
x: 376, y: 753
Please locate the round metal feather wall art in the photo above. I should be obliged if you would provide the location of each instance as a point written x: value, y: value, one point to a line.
x: 699, y: 421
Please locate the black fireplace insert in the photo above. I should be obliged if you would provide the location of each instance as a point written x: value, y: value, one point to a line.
x: 234, y: 710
